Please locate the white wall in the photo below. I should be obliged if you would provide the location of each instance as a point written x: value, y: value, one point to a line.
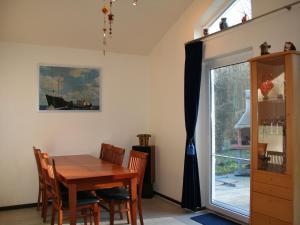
x: 124, y: 84
x: 276, y: 29
x: 166, y: 82
x: 260, y: 7
x: 166, y: 101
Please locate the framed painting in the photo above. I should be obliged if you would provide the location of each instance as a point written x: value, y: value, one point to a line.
x: 69, y: 88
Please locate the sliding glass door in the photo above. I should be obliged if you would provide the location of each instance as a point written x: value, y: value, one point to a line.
x: 230, y: 139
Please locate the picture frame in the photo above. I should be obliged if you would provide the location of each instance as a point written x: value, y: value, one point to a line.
x: 68, y: 88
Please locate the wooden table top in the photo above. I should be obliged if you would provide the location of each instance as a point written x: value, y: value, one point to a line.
x: 73, y: 167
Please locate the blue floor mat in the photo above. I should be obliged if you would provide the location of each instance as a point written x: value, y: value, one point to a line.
x: 212, y: 219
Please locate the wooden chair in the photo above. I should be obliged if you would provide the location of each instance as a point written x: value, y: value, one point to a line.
x: 112, y: 154
x: 41, y: 182
x: 47, y: 186
x: 45, y: 194
x: 86, y: 203
x: 113, y: 196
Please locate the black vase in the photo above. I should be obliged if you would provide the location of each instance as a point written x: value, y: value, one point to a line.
x: 223, y: 24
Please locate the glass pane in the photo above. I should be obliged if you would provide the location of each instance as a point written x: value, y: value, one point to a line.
x: 230, y: 139
x: 271, y: 118
x: 234, y: 15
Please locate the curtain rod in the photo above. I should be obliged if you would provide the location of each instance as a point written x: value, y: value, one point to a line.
x: 288, y: 7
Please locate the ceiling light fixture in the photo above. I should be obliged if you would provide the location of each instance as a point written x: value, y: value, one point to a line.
x: 108, y: 15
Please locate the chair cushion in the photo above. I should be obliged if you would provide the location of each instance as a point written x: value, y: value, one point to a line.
x: 118, y: 193
x: 83, y: 198
x: 63, y: 189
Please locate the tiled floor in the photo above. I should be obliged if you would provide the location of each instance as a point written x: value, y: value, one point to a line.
x: 152, y: 209
x: 233, y: 190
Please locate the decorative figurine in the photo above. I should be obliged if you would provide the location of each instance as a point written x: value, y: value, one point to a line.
x: 205, y: 32
x: 266, y: 87
x: 223, y: 24
x: 288, y: 46
x: 264, y: 48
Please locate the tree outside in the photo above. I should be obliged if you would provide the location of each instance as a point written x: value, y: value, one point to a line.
x: 228, y: 85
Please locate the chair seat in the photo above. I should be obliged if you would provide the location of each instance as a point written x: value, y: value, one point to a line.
x: 83, y: 198
x: 118, y: 193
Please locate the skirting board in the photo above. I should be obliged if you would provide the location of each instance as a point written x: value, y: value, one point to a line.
x: 175, y: 201
x: 13, y: 207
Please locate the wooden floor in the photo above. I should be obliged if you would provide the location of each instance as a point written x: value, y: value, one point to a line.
x: 152, y: 209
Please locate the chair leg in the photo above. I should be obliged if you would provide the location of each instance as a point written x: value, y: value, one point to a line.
x: 140, y: 211
x: 120, y: 210
x: 96, y: 212
x: 45, y: 212
x: 39, y: 199
x: 84, y: 215
x: 90, y: 214
x: 45, y: 208
x: 53, y: 215
x: 111, y: 212
x: 128, y: 213
x: 43, y: 204
x: 60, y: 217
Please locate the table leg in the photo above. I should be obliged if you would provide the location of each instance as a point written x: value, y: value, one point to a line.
x: 133, y: 206
x: 72, y: 203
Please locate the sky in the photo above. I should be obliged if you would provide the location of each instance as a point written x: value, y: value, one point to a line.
x: 70, y: 83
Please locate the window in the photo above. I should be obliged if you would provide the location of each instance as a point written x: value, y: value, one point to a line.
x: 234, y: 14
x: 230, y: 137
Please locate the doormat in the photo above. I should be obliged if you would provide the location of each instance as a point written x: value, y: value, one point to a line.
x: 212, y: 219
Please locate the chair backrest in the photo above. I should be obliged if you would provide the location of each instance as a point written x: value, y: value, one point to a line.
x: 38, y: 162
x: 117, y: 155
x: 262, y: 148
x: 137, y: 162
x: 44, y: 159
x: 50, y: 177
x: 105, y: 151
x: 112, y: 154
x: 55, y: 183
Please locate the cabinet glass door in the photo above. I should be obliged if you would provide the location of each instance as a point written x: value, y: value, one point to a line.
x: 271, y: 116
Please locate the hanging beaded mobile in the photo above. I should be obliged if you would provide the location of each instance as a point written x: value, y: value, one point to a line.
x: 107, y: 12
x: 110, y: 18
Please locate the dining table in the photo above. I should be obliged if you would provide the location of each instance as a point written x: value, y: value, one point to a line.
x: 86, y: 173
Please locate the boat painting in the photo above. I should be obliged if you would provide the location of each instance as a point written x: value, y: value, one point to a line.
x: 69, y: 88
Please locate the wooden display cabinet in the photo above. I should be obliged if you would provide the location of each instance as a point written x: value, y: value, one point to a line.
x: 275, y: 103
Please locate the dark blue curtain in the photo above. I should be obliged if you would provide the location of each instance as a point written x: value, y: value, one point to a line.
x: 191, y: 198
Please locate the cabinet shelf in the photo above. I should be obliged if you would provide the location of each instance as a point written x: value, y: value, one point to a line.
x: 273, y: 100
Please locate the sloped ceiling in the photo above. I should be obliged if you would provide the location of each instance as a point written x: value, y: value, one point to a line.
x: 78, y: 23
